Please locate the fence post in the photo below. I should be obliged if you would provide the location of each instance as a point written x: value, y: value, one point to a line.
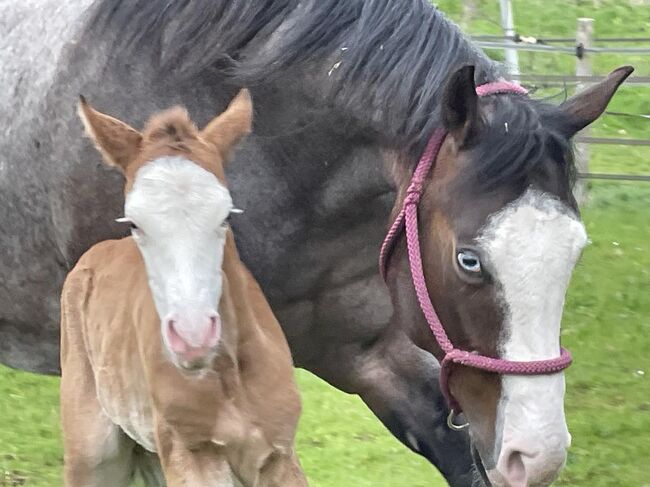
x: 469, y: 12
x: 508, y: 26
x: 584, y: 40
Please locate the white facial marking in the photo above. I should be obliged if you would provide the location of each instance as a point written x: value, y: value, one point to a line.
x: 179, y: 209
x: 531, y: 248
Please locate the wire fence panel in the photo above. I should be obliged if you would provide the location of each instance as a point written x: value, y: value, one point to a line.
x: 615, y: 177
x: 526, y: 47
x: 575, y: 51
x: 560, y: 40
x: 644, y: 51
x: 571, y: 79
x: 612, y: 141
x: 540, y: 44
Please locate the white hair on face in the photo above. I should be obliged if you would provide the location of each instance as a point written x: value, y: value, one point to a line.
x: 177, y: 187
x: 531, y: 247
x: 179, y: 209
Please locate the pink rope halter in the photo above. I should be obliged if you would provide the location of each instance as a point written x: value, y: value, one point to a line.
x: 407, y: 220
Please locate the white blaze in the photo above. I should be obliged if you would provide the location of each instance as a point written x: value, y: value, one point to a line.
x: 179, y: 209
x: 531, y: 248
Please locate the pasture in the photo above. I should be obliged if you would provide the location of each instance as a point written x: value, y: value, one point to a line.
x: 606, y: 327
x: 606, y: 323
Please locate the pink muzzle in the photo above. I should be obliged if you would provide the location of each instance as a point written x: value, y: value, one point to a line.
x: 407, y: 222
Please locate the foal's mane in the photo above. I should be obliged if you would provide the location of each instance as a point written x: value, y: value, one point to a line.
x: 172, y: 127
x: 386, y: 59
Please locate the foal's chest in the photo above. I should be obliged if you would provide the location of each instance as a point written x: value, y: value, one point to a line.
x: 199, y: 410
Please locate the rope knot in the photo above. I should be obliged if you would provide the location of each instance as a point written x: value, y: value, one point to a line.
x: 413, y: 193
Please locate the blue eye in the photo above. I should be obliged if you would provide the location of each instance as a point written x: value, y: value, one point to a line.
x: 469, y: 262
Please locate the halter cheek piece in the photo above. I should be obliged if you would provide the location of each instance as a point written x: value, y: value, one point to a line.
x: 407, y: 222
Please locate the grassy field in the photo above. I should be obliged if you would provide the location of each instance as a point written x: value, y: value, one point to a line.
x: 606, y: 325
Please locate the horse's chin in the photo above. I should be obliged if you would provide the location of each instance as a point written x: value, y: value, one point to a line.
x: 480, y: 478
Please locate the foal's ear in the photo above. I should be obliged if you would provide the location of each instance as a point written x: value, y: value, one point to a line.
x: 117, y: 141
x: 585, y: 107
x: 226, y: 130
x: 460, y: 110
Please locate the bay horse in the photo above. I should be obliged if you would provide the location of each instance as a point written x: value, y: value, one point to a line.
x: 348, y: 94
x: 169, y: 349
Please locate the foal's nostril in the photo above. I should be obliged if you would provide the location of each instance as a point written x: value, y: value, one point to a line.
x: 192, y: 333
x: 212, y: 335
x: 214, y: 319
x: 176, y: 342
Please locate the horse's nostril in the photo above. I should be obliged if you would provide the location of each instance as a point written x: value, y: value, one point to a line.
x: 516, y: 470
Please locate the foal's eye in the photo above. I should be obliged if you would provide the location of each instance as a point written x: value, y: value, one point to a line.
x: 124, y: 219
x: 469, y: 262
x: 233, y: 211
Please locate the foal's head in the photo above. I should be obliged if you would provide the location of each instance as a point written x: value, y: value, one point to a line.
x: 500, y: 234
x: 178, y: 205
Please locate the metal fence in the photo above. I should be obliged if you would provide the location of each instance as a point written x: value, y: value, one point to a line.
x: 581, y: 51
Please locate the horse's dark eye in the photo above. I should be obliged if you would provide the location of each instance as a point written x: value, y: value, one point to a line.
x: 226, y: 222
x: 469, y: 262
x: 133, y: 226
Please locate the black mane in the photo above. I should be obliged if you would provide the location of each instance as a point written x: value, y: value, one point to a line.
x: 385, y: 61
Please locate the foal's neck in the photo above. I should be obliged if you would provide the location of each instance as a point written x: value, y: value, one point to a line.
x: 236, y: 308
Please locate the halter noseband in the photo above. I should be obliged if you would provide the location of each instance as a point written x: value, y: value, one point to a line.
x: 407, y: 221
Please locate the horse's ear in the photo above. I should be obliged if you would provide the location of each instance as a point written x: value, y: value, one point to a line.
x: 585, y: 107
x: 460, y: 109
x: 226, y: 130
x: 117, y: 141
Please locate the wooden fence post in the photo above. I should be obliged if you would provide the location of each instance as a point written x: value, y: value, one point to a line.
x: 584, y: 40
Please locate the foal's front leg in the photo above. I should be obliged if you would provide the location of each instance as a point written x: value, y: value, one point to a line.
x: 281, y: 470
x: 97, y: 453
x: 203, y: 467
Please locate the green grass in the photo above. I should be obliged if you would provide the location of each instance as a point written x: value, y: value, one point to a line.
x: 339, y: 439
x: 30, y: 439
x: 606, y: 325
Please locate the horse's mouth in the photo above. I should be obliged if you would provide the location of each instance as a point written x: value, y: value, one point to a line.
x: 482, y: 478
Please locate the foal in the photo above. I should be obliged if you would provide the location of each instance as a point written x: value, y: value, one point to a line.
x: 172, y: 361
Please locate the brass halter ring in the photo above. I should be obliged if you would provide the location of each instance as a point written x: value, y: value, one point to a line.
x: 454, y: 426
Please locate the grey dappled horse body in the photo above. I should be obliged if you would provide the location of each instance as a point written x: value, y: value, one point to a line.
x: 338, y: 87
